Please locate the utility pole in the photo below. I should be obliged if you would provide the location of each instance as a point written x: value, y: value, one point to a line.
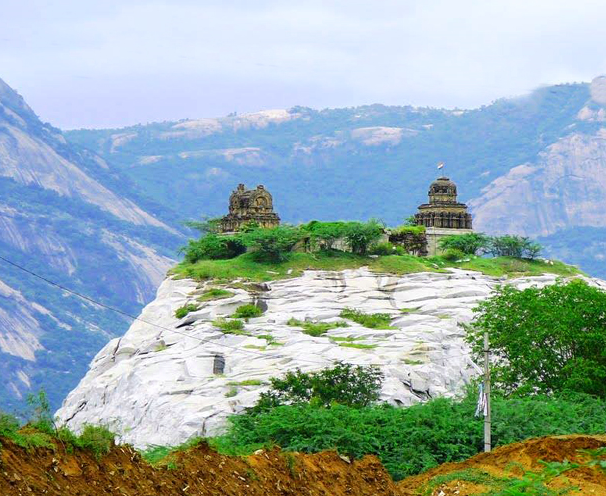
x: 487, y: 437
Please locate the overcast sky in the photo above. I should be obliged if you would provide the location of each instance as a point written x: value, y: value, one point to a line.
x: 109, y: 63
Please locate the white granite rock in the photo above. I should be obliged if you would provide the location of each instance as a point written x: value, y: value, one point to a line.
x: 155, y: 385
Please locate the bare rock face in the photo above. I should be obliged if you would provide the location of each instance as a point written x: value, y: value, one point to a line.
x: 598, y: 90
x: 565, y: 187
x: 158, y: 384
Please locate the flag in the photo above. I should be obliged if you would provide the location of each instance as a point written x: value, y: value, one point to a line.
x: 440, y: 165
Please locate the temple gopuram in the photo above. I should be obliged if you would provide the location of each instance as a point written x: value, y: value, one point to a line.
x: 443, y: 215
x: 249, y: 206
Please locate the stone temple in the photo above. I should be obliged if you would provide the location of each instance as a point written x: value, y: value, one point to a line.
x: 249, y: 206
x: 443, y: 215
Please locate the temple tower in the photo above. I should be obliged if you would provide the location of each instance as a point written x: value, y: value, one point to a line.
x: 443, y: 215
x: 248, y: 206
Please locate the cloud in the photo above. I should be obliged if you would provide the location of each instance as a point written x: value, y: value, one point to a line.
x: 120, y: 62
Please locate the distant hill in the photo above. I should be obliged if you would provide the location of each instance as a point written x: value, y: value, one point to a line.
x: 534, y: 165
x: 61, y: 215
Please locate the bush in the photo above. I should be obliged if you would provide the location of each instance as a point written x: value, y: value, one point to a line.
x: 469, y: 244
x: 414, y: 439
x: 514, y: 246
x: 315, y: 329
x: 385, y: 249
x: 325, y: 234
x: 360, y: 235
x: 453, y: 254
x: 409, y: 229
x: 215, y: 294
x: 345, y: 384
x: 230, y: 326
x: 544, y: 340
x: 97, y: 439
x: 185, y: 309
x: 213, y: 247
x: 247, y: 312
x: 273, y: 245
x: 372, y: 321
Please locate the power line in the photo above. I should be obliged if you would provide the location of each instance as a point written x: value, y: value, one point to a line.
x: 133, y: 317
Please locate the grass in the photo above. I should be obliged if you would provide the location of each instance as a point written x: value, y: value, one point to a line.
x: 231, y: 326
x: 233, y: 391
x: 347, y: 339
x: 215, y: 294
x: 409, y: 361
x: 185, y: 309
x: 255, y: 347
x: 406, y: 311
x: 247, y: 311
x: 371, y: 321
x: 315, y: 329
x: 249, y: 382
x: 161, y: 347
x: 358, y: 346
x: 246, y: 267
x: 164, y: 456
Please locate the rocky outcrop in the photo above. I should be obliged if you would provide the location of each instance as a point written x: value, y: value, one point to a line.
x: 158, y: 384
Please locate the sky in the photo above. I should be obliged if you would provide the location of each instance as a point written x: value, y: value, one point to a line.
x: 112, y: 63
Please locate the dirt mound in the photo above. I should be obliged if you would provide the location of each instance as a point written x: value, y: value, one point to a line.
x: 489, y: 471
x: 199, y: 471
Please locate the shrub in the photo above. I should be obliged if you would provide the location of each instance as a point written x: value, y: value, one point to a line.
x: 453, y: 254
x: 185, y: 309
x: 315, y: 329
x: 469, y: 244
x: 215, y: 294
x: 372, y: 321
x: 346, y: 384
x: 544, y: 340
x: 360, y: 235
x: 413, y: 439
x: 97, y: 439
x: 273, y: 245
x: 409, y: 229
x: 325, y: 234
x: 514, y: 246
x: 213, y: 247
x: 386, y: 249
x: 230, y: 326
x: 247, y: 312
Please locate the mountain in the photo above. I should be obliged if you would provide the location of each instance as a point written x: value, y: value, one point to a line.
x: 61, y: 217
x: 533, y: 165
x: 165, y: 382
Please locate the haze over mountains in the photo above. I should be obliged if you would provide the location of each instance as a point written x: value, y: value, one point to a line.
x: 99, y: 210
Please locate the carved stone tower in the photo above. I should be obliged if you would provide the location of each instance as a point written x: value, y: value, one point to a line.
x: 443, y: 215
x: 249, y: 206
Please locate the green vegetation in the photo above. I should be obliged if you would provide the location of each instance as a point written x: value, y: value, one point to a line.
x: 410, y: 440
x: 41, y: 431
x: 185, y: 309
x: 249, y: 382
x: 233, y: 391
x: 246, y: 266
x: 545, y: 340
x: 409, y: 228
x: 354, y: 386
x: 468, y: 244
x: 347, y: 339
x: 384, y: 249
x: 247, y: 311
x: 372, y: 321
x: 315, y: 329
x: 233, y: 326
x: 272, y: 245
x: 453, y: 255
x: 213, y: 247
x: 164, y: 456
x: 215, y: 294
x: 358, y: 346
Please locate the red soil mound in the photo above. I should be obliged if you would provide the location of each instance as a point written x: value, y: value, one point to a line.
x: 511, y: 461
x: 199, y: 471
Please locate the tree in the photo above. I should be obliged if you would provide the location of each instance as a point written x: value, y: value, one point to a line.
x: 274, y: 244
x: 325, y: 234
x: 206, y: 225
x: 469, y: 244
x: 544, y: 340
x: 360, y: 235
x: 213, y: 247
x: 345, y: 384
x: 514, y: 246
